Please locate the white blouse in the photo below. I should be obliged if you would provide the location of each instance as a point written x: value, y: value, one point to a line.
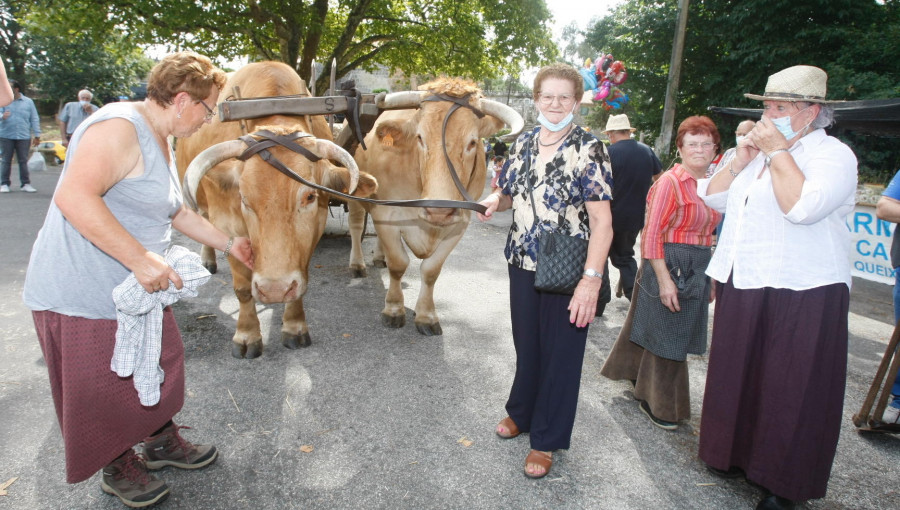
x: 808, y: 247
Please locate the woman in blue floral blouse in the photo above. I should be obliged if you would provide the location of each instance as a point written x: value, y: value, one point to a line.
x: 566, y: 170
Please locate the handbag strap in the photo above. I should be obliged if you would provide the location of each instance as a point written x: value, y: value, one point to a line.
x: 530, y: 188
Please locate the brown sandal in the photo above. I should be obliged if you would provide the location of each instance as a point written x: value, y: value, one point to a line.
x: 511, y: 429
x: 538, y: 458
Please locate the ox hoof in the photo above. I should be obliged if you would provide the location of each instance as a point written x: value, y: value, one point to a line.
x: 295, y: 341
x: 393, y: 321
x: 430, y: 329
x: 241, y: 351
x: 379, y: 263
x: 358, y: 272
x: 211, y: 267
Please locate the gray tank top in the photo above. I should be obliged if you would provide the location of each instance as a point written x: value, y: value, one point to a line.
x: 67, y: 274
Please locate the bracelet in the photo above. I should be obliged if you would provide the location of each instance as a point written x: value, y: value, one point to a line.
x: 228, y: 246
x: 589, y: 272
x: 731, y: 169
x: 772, y: 154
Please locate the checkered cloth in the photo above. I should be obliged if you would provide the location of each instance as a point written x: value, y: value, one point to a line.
x: 139, y: 335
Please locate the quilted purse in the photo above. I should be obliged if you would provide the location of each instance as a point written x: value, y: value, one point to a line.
x: 560, y: 257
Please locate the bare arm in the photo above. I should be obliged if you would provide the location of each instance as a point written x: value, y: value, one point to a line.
x: 583, y: 306
x: 93, y: 170
x: 6, y: 93
x: 888, y: 209
x: 201, y: 230
x: 787, y: 179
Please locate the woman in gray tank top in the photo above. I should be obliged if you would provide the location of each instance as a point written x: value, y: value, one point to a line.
x: 112, y: 214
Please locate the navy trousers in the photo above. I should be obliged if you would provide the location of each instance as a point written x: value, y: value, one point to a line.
x: 621, y: 255
x: 20, y: 147
x: 549, y: 356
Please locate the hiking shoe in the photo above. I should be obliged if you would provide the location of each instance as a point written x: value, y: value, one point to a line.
x: 4, y: 189
x: 127, y: 478
x: 168, y: 448
x: 663, y: 424
x: 28, y: 188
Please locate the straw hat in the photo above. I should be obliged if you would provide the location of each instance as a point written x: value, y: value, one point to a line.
x: 798, y: 83
x: 618, y: 123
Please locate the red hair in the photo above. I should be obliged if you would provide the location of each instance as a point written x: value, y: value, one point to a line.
x: 697, y: 125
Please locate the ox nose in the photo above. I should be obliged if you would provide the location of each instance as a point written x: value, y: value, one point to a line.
x: 439, y: 215
x: 276, y: 291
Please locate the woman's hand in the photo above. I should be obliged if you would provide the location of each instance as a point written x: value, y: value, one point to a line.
x: 154, y: 274
x: 668, y: 293
x: 242, y: 250
x: 492, y: 203
x: 583, y: 305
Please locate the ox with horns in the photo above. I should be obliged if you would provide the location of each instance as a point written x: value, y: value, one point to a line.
x: 283, y: 218
x: 410, y: 152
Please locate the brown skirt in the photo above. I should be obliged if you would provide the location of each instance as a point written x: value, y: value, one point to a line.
x: 775, y: 386
x: 662, y: 383
x: 99, y: 413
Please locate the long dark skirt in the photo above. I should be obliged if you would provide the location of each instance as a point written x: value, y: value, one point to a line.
x: 100, y: 414
x: 775, y: 386
x: 662, y: 383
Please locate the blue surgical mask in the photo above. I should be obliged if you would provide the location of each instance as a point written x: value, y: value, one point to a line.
x: 559, y: 126
x: 783, y: 125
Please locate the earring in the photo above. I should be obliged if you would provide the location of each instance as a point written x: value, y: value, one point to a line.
x: 178, y: 116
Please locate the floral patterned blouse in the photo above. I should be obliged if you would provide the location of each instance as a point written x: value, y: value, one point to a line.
x: 579, y: 172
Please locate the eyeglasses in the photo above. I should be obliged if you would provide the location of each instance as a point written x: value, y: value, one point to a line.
x: 695, y: 145
x: 209, y: 111
x: 564, y: 99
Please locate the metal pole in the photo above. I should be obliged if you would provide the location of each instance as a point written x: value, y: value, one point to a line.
x: 668, y: 121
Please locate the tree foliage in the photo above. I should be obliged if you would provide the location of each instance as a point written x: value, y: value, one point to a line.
x: 46, y: 54
x: 474, y: 38
x: 732, y: 46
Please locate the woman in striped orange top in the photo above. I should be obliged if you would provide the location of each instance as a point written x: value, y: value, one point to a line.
x: 669, y: 308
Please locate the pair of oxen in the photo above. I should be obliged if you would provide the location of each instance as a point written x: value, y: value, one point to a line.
x: 407, y: 157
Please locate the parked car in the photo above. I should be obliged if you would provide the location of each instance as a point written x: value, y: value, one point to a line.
x: 54, y: 152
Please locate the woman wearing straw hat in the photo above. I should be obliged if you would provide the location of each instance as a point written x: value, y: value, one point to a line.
x: 778, y: 359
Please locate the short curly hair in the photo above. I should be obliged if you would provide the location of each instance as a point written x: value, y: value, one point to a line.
x: 697, y: 125
x: 562, y: 72
x: 184, y: 71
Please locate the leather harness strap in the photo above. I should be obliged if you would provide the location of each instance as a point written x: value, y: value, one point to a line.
x: 269, y: 139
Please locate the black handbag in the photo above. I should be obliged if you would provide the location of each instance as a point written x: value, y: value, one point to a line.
x: 560, y: 257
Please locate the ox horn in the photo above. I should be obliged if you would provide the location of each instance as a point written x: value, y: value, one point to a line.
x: 203, y: 163
x: 331, y: 150
x: 401, y: 100
x: 506, y: 114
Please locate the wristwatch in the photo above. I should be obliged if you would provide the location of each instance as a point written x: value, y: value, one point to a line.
x: 592, y: 274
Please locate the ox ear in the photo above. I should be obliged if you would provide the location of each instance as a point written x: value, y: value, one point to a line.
x: 391, y: 134
x: 489, y: 125
x: 338, y: 178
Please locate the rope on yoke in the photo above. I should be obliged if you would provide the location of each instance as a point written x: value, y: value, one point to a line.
x: 269, y: 139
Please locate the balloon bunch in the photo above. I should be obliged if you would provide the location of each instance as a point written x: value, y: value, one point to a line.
x: 603, y: 78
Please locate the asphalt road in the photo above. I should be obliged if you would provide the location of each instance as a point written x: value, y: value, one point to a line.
x: 380, y: 418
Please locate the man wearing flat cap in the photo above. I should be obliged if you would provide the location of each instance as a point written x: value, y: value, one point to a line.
x: 634, y: 167
x: 778, y: 360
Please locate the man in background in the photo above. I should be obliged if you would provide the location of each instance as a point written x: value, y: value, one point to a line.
x: 888, y: 209
x: 74, y: 113
x: 20, y: 128
x: 634, y: 168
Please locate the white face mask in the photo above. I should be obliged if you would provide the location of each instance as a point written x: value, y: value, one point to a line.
x: 83, y: 102
x: 783, y: 125
x: 738, y: 138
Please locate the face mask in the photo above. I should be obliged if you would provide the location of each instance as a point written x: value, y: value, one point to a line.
x: 783, y: 125
x: 84, y: 103
x: 738, y: 138
x: 559, y: 126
